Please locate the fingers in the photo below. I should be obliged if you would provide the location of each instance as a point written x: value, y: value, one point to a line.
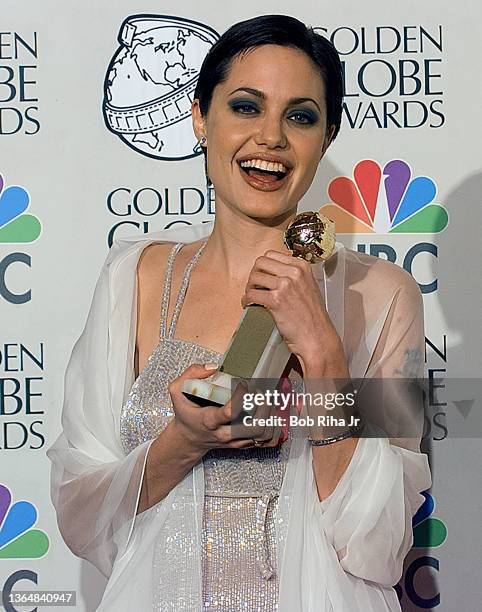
x: 279, y: 256
x: 258, y: 279
x: 219, y: 420
x: 214, y: 417
x: 289, y: 260
x: 235, y: 405
x: 234, y: 434
x: 258, y: 419
x: 249, y: 443
x: 272, y: 273
x: 241, y: 443
x: 279, y: 264
x: 224, y: 435
x: 196, y: 370
x: 258, y: 296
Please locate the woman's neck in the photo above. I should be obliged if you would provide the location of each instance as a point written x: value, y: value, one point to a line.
x: 237, y: 240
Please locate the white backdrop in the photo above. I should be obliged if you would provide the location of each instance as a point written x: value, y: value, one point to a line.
x: 413, y: 90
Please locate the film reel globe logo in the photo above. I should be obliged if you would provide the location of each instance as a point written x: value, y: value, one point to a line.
x: 149, y: 84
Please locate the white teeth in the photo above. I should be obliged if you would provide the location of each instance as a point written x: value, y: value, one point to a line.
x: 264, y: 165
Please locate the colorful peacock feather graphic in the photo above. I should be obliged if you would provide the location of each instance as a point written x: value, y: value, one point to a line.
x: 428, y: 532
x: 384, y: 201
x: 15, y: 226
x: 17, y: 539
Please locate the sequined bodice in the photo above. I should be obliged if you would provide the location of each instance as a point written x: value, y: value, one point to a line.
x: 148, y: 409
x: 243, y: 482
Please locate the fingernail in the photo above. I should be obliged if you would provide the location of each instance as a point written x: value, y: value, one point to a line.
x: 211, y: 366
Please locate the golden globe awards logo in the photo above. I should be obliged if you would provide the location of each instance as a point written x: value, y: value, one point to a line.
x: 136, y: 210
x: 148, y: 91
x: 18, y: 83
x: 393, y: 76
x: 22, y: 406
x: 150, y: 83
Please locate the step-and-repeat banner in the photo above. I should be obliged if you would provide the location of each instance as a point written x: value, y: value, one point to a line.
x: 96, y: 143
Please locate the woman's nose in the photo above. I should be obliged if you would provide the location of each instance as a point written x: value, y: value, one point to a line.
x: 270, y: 132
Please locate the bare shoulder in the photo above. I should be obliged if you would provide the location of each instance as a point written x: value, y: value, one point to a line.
x: 151, y: 269
x: 151, y: 272
x: 153, y: 262
x: 153, y: 259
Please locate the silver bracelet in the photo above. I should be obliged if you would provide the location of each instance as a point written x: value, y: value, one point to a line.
x: 349, y: 433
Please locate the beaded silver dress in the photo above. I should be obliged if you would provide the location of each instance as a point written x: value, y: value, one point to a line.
x: 241, y: 485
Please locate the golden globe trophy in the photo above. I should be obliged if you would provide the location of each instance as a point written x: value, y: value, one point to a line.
x: 257, y: 350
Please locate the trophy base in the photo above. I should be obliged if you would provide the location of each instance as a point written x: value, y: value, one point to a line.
x: 212, y: 391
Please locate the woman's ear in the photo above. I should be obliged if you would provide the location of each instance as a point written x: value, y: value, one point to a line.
x: 197, y: 120
x: 328, y: 140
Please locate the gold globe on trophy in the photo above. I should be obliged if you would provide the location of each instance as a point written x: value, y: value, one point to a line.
x: 311, y: 235
x: 257, y: 350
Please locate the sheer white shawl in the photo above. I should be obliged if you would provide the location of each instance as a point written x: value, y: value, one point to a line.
x: 341, y: 554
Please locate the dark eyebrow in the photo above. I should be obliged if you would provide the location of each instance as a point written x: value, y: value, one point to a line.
x: 261, y: 95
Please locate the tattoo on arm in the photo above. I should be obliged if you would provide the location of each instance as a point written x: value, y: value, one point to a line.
x: 411, y: 367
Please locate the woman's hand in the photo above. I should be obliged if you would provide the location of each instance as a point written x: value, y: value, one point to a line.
x: 209, y: 427
x: 285, y: 285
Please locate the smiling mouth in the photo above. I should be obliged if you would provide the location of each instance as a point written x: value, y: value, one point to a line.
x: 264, y: 175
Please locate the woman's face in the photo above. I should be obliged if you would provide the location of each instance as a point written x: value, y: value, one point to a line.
x: 270, y: 111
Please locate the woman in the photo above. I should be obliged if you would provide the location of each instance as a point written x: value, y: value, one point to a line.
x: 154, y: 490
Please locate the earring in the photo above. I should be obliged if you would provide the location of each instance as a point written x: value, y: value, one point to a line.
x: 203, y: 141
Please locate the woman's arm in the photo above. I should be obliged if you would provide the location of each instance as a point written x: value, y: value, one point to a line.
x: 277, y: 281
x: 331, y: 460
x: 330, y: 463
x: 170, y: 458
x: 367, y: 517
x: 94, y: 486
x: 369, y: 489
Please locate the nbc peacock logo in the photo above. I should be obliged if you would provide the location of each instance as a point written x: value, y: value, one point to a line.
x: 15, y: 225
x: 428, y: 532
x: 418, y: 588
x: 17, y: 538
x: 384, y: 200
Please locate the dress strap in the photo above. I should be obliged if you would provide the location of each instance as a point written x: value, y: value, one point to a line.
x: 182, y: 289
x: 265, y: 568
x: 167, y: 288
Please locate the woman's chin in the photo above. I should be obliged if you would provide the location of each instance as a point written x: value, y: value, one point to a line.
x: 267, y: 213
